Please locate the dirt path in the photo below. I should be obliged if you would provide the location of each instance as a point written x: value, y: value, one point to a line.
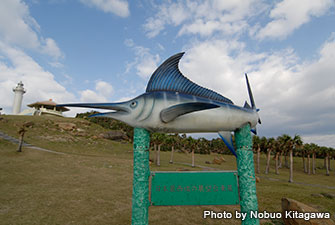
x: 16, y: 141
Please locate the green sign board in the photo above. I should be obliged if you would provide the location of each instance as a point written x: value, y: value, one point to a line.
x: 194, y: 188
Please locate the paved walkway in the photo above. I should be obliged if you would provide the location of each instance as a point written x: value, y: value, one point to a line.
x: 16, y: 141
x: 11, y: 139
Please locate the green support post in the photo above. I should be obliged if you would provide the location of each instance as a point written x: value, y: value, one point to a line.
x: 246, y: 173
x: 140, y: 201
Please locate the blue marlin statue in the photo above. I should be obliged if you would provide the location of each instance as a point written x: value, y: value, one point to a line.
x: 174, y: 104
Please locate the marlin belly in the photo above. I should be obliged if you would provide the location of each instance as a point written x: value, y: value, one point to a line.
x: 211, y: 120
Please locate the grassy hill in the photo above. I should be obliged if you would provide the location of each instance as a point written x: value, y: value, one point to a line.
x: 92, y: 182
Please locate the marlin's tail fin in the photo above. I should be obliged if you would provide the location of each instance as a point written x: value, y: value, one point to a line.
x: 252, y: 101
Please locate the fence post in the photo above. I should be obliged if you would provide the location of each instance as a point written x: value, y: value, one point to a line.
x: 246, y: 173
x: 140, y: 199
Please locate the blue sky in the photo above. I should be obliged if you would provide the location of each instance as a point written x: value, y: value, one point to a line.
x: 106, y: 50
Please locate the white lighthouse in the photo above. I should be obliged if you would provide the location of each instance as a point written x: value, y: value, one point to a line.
x: 19, y: 91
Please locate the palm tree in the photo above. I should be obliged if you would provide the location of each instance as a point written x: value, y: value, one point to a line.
x: 204, y: 146
x: 308, y: 149
x: 257, y: 147
x: 314, y: 149
x: 217, y: 145
x: 331, y: 155
x: 183, y: 142
x: 296, y: 144
x: 285, y: 142
x: 303, y: 155
x: 279, y: 151
x: 158, y: 139
x: 21, y: 132
x: 325, y: 152
x: 192, y: 143
x: 277, y: 164
x: 153, y: 140
x: 289, y: 144
x: 271, y: 142
x: 171, y: 140
x: 325, y: 160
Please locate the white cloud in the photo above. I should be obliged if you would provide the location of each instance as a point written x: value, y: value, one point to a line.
x: 213, y: 58
x: 15, y: 66
x: 204, y: 28
x: 16, y: 24
x: 289, y: 15
x: 102, y: 92
x: 233, y: 18
x: 204, y: 17
x: 104, y: 88
x: 124, y: 99
x: 322, y: 140
x: 169, y: 13
x: 18, y: 32
x: 117, y: 7
x: 18, y: 28
x: 56, y: 64
x: 91, y: 96
x: 51, y: 48
x: 294, y: 96
x: 129, y: 42
x: 145, y: 63
x: 154, y: 26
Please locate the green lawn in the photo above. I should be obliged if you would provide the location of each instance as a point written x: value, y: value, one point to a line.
x: 92, y: 184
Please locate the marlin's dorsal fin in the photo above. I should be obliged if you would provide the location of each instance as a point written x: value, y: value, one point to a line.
x: 167, y: 77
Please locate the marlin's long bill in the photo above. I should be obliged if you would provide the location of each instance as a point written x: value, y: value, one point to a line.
x: 111, y: 106
x: 174, y: 104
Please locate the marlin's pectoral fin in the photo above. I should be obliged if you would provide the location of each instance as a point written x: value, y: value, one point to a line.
x: 227, y: 139
x: 172, y: 112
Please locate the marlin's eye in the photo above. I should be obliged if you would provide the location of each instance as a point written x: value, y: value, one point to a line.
x: 133, y: 104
